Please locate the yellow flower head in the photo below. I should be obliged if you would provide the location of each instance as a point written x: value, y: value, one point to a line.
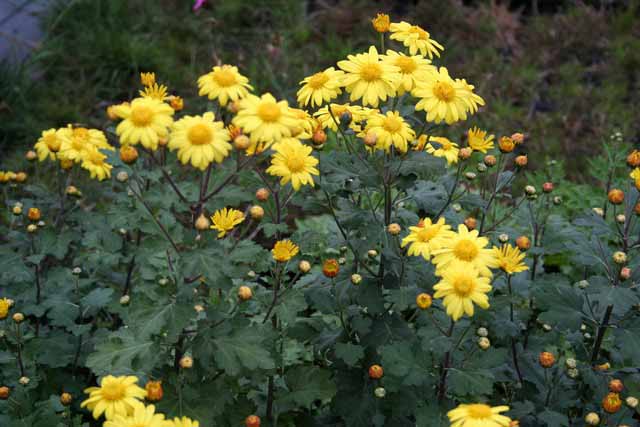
x: 381, y: 22
x: 95, y: 162
x: 415, y: 38
x: 443, y: 148
x: 183, y: 422
x: 148, y: 79
x: 358, y: 115
x: 509, y: 259
x: 200, y: 140
x: 224, y: 220
x: 293, y: 162
x: 479, y: 141
x: 478, y: 415
x: 48, y: 145
x: 142, y: 416
x: 426, y: 237
x: 78, y: 141
x: 390, y: 129
x: 307, y: 125
x: 146, y: 121
x: 155, y: 91
x: 224, y: 83
x: 465, y: 246
x: 420, y: 143
x: 265, y: 120
x: 461, y: 287
x: 284, y: 250
x: 5, y: 305
x: 115, y: 396
x: 368, y: 78
x: 413, y: 69
x: 445, y: 99
x: 635, y: 174
x: 320, y: 88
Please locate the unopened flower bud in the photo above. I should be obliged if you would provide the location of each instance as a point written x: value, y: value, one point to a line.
x: 592, y: 419
x: 619, y: 257
x: 256, y: 212
x: 490, y: 160
x: 186, y: 362
x: 66, y: 399
x: 521, y: 161
x: 481, y: 167
x: 484, y: 343
x: 122, y: 176
x: 24, y: 380
x: 547, y: 187
x: 370, y: 139
x: 530, y: 190
x: 76, y: 271
x: 304, y: 266
x: 625, y: 273
x: 471, y: 223
x: 125, y: 299
x: 482, y: 332
x: 245, y: 293
x: 570, y: 363
x: 456, y: 207
x: 616, y: 196
x: 394, y: 229
x: 380, y: 392
x: 598, y: 211
x: 32, y: 228
x: 319, y: 137
x: 241, y: 142
x: 632, y: 402
x: 470, y: 175
x: 372, y: 253
x: 465, y: 153
x: 557, y: 200
x: 262, y: 194
x: 523, y: 243
x: 573, y: 373
x: 503, y: 238
x: 202, y: 223
x: 18, y: 317
x: 356, y: 279
x: 31, y: 155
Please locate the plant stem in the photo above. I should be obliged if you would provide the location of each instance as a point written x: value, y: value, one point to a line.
x: 600, y: 335
x: 442, y: 386
x: 514, y: 353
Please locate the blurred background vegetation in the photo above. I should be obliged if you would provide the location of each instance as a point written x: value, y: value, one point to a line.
x: 566, y: 73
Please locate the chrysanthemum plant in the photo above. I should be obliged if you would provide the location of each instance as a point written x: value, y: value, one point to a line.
x: 361, y: 260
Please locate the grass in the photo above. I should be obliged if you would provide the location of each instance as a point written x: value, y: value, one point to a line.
x: 567, y: 79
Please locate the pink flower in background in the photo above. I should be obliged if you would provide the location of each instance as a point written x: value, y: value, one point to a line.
x: 198, y: 4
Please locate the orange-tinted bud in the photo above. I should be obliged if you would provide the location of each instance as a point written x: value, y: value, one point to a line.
x: 154, y: 391
x: 616, y: 386
x: 252, y: 421
x: 376, y: 372
x: 612, y: 403
x: 523, y: 243
x: 471, y: 223
x: 34, y: 214
x: 262, y: 194
x: 521, y: 161
x: 546, y: 359
x: 616, y: 196
x: 128, y: 154
x: 330, y: 268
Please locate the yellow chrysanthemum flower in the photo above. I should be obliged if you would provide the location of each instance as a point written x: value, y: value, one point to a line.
x: 155, y: 91
x: 48, y: 145
x: 293, y: 162
x: 115, y: 396
x: 224, y: 220
x: 478, y: 415
x: 443, y: 98
x: 465, y: 246
x: 390, y: 129
x: 461, y: 287
x: 479, y: 141
x: 381, y: 22
x: 445, y: 148
x: 635, y: 174
x: 320, y: 88
x: 142, y: 416
x: 95, y: 162
x: 76, y: 142
x: 148, y: 79
x: 415, y: 38
x: 306, y: 124
x: 426, y: 237
x: 367, y: 77
x: 225, y: 84
x: 412, y: 69
x: 146, y: 120
x: 265, y: 119
x: 284, y: 250
x: 358, y: 115
x: 5, y: 305
x: 200, y: 140
x: 509, y: 259
x: 183, y: 422
x: 469, y: 97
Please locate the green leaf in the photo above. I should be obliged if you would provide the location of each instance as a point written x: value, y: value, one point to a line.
x: 307, y: 384
x: 349, y: 353
x: 243, y: 349
x: 470, y: 383
x: 122, y: 352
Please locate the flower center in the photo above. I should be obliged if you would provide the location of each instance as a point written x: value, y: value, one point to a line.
x: 200, y: 134
x: 318, y: 80
x: 52, y: 142
x: 480, y: 411
x: 427, y: 233
x: 141, y: 115
x: 465, y: 250
x: 224, y: 78
x: 295, y: 163
x: 406, y: 64
x: 113, y: 391
x: 370, y: 72
x: 463, y: 285
x: 268, y: 111
x: 81, y: 133
x: 422, y: 34
x: 445, y: 145
x: 392, y: 124
x: 444, y: 91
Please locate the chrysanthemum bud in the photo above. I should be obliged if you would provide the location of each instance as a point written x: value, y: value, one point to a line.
x: 547, y: 327
x: 125, y: 300
x: 616, y: 196
x: 370, y: 139
x: 570, y: 363
x: 32, y: 228
x: 456, y: 207
x: 66, y: 399
x: 471, y: 223
x: 177, y: 103
x: 202, y: 223
x: 620, y: 218
x: 122, y: 176
x: 625, y: 273
x: 21, y: 177
x: 598, y: 211
x: 573, y: 373
x: 17, y: 210
x: 330, y: 268
x: 424, y: 301
x: 530, y: 190
x: 304, y: 266
x: 245, y: 293
x: 4, y: 393
x: 356, y: 279
x: 521, y: 161
x: 381, y: 23
x: 394, y: 229
x: 256, y: 212
x: 546, y: 359
x: 470, y: 175
x: 251, y: 274
x: 372, y: 253
x: 592, y: 419
x: 633, y: 159
x: 631, y: 402
x: 262, y: 194
x: 24, y: 380
x: 523, y: 243
x: 612, y: 403
x: 465, y: 153
x: 490, y: 160
x: 163, y: 141
x: 547, y: 187
x: 506, y: 144
x: 252, y: 421
x: 616, y: 386
x: 31, y: 155
x: 319, y: 137
x: 376, y: 372
x: 128, y: 154
x: 518, y: 138
x: 241, y: 142
x: 154, y: 391
x: 481, y: 167
x: 199, y: 308
x: 619, y: 257
x: 603, y: 367
x: 18, y: 317
x: 484, y: 343
x: 482, y: 332
x: 503, y: 238
x: 186, y: 362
